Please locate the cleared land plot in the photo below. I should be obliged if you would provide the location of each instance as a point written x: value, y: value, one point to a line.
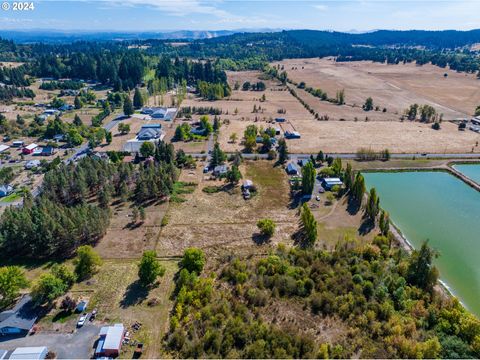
x: 392, y: 86
x: 224, y: 222
x: 127, y: 240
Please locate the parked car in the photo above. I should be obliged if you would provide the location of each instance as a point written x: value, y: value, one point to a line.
x: 82, y: 320
x: 206, y: 169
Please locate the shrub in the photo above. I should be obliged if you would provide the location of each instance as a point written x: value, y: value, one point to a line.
x: 193, y: 260
x: 266, y: 227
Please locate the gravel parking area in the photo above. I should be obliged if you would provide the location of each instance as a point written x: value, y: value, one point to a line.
x: 78, y: 345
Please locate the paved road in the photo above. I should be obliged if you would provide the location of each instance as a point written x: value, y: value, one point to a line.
x: 354, y: 156
x: 78, y: 345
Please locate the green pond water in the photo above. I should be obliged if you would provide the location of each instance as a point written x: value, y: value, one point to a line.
x: 470, y: 170
x: 439, y: 207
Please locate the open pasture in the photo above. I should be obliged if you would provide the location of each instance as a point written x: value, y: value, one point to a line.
x: 394, y: 87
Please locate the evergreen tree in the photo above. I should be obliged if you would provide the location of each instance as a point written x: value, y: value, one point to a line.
x: 309, y: 225
x: 216, y: 124
x: 128, y: 106
x: 282, y: 151
x: 368, y: 104
x: 137, y: 99
x: 108, y: 137
x: 348, y: 177
x: 320, y: 156
x: 218, y: 156
x: 421, y: 271
x: 143, y: 215
x: 358, y: 189
x: 77, y: 103
x: 77, y: 121
x: 308, y: 178
x: 233, y: 175
x: 373, y: 205
x: 384, y: 223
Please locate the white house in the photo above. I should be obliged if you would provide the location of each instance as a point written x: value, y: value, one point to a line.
x: 148, y: 132
x: 163, y: 113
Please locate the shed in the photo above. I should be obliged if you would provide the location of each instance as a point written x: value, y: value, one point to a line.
x: 329, y: 183
x: 18, y: 143
x: 36, y: 353
x: 48, y: 150
x: 292, y: 135
x: 3, y: 147
x: 279, y: 119
x: 29, y: 148
x: 292, y: 169
x: 110, y: 342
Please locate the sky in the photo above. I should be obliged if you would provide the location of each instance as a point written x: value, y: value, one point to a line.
x: 170, y: 15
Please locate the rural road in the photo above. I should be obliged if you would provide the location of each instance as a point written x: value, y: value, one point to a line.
x: 354, y: 155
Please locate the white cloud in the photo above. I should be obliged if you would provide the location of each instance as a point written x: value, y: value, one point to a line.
x: 321, y: 7
x: 175, y: 7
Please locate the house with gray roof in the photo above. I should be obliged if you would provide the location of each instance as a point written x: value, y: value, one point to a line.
x: 20, y: 319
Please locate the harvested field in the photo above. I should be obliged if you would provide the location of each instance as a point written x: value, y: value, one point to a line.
x: 392, y: 86
x: 398, y: 137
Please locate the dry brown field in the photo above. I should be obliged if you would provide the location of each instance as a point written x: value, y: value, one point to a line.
x: 381, y: 131
x: 394, y: 87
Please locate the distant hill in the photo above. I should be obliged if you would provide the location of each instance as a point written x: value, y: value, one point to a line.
x: 447, y: 39
x: 55, y: 36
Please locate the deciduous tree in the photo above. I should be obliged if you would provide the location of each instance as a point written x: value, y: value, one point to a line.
x: 149, y: 268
